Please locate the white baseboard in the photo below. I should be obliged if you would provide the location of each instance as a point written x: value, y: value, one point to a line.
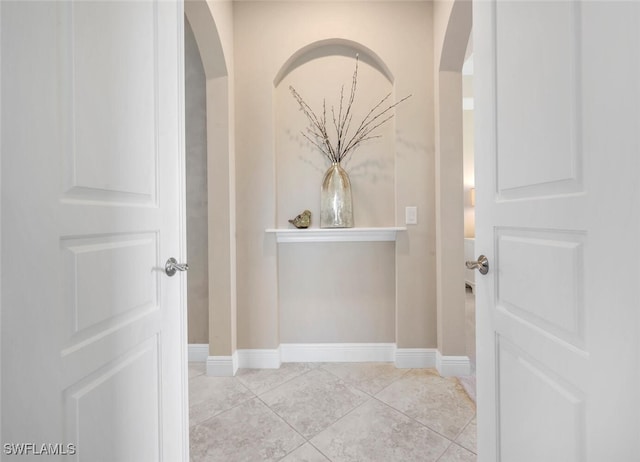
x: 198, y: 352
x: 337, y: 352
x: 404, y: 358
x: 259, y: 359
x: 453, y: 366
x: 415, y: 358
x: 222, y: 366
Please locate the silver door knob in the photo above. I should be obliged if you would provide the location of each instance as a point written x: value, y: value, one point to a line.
x: 172, y: 266
x: 482, y: 264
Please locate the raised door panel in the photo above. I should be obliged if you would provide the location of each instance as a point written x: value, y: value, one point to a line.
x: 112, y: 414
x: 538, y: 95
x: 547, y: 295
x: 541, y: 417
x: 111, y: 111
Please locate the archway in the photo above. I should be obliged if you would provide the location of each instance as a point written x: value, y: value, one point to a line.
x: 449, y: 183
x: 220, y: 184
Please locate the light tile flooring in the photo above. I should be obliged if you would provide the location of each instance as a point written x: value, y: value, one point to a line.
x: 337, y: 412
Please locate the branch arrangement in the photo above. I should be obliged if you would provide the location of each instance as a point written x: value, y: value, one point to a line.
x: 339, y: 124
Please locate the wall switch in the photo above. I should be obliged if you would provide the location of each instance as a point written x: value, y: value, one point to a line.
x: 411, y: 215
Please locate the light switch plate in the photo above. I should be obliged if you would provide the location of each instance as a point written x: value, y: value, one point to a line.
x: 411, y: 215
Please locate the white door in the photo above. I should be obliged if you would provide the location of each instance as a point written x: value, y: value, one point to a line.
x: 558, y: 207
x: 93, y: 331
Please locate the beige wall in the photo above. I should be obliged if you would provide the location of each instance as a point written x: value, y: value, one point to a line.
x: 353, y: 304
x: 196, y: 174
x: 266, y: 36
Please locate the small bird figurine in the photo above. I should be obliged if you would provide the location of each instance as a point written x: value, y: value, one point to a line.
x: 302, y: 221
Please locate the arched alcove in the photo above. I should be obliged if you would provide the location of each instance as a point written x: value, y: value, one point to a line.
x: 333, y: 47
x: 364, y: 309
x: 320, y: 72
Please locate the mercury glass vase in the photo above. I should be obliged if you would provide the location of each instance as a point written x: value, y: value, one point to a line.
x: 336, y: 210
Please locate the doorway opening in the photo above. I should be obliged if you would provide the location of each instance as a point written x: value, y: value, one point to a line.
x: 196, y: 194
x: 468, y: 175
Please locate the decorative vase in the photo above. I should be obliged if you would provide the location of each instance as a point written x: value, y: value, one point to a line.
x: 336, y: 210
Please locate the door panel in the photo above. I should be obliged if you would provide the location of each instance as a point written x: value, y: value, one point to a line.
x: 522, y: 437
x: 128, y: 428
x: 550, y: 299
x: 92, y: 126
x: 112, y: 111
x: 538, y: 98
x: 124, y: 261
x: 558, y: 216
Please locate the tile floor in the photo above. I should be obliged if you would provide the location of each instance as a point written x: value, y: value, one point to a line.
x: 357, y: 412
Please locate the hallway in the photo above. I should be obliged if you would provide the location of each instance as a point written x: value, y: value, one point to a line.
x: 330, y: 412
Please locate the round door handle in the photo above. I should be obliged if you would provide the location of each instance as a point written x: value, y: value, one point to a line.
x: 172, y: 266
x: 482, y: 264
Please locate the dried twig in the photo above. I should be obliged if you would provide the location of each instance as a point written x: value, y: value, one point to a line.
x: 317, y: 132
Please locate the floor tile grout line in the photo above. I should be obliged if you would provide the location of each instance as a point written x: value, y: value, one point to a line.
x: 366, y: 396
x: 235, y: 379
x: 244, y: 401
x: 335, y: 421
x: 445, y: 451
x: 371, y: 398
x: 285, y: 382
x: 230, y: 408
x: 292, y: 451
x: 414, y: 420
x: 286, y: 422
x: 461, y: 432
x: 453, y: 443
x: 464, y: 427
x: 406, y: 371
x: 364, y: 391
x: 342, y: 417
x: 319, y: 450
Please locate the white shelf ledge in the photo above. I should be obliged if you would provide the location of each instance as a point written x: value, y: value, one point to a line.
x: 284, y: 236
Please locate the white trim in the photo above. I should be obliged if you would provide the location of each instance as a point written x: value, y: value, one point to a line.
x: 337, y: 352
x: 404, y: 358
x: 2, y: 154
x: 222, y: 366
x: 285, y: 236
x: 346, y: 1
x: 259, y: 359
x: 198, y: 352
x: 453, y: 366
x: 416, y: 358
x: 182, y: 222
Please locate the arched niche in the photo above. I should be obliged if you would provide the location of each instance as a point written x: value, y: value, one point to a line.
x: 318, y: 71
x: 362, y: 310
x: 333, y: 47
